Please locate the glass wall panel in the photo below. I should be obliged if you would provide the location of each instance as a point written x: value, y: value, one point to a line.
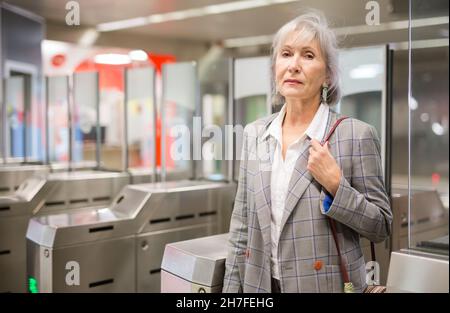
x: 363, y: 77
x: 251, y: 94
x: 363, y: 86
x: 58, y: 119
x: 85, y: 118
x: 112, y: 120
x: 180, y: 92
x: 429, y: 128
x: 140, y: 117
x: 214, y: 91
x: 14, y: 128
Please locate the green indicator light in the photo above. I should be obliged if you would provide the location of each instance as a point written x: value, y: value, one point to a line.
x: 32, y: 285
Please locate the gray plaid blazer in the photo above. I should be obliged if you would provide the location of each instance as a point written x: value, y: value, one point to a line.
x: 307, y: 254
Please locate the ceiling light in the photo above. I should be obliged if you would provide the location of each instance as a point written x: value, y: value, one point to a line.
x: 363, y: 29
x: 190, y: 13
x: 88, y: 38
x: 414, y: 104
x: 424, y: 117
x: 112, y: 59
x: 438, y: 129
x: 138, y: 55
x: 248, y: 41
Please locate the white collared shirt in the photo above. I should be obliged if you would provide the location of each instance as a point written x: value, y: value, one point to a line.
x: 282, y: 170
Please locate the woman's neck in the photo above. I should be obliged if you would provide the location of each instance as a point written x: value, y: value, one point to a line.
x: 300, y: 112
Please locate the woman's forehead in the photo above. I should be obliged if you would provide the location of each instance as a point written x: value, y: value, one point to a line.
x: 300, y: 39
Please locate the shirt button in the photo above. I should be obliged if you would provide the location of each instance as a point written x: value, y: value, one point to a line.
x: 318, y: 265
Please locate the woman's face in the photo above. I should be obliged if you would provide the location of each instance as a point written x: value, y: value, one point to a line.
x: 300, y: 69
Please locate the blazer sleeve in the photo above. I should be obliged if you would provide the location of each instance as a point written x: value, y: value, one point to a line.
x: 237, y: 244
x: 363, y: 204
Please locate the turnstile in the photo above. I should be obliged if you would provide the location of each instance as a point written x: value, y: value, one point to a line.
x: 196, y: 265
x: 120, y: 248
x: 12, y: 175
x: 44, y: 194
x: 417, y: 271
x: 430, y: 220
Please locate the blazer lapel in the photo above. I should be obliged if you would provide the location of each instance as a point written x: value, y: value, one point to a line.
x: 301, y: 178
x: 266, y: 151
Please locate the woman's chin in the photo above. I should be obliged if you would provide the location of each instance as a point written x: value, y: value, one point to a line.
x: 293, y: 96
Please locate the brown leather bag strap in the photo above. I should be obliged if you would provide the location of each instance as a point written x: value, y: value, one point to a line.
x: 336, y: 124
x: 342, y: 267
x: 332, y: 223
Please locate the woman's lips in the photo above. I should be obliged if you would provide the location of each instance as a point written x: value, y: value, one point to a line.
x: 292, y: 82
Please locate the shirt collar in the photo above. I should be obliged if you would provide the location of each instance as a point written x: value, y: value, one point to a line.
x: 316, y: 128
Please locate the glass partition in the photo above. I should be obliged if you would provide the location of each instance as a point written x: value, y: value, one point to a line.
x: 364, y: 76
x: 84, y: 112
x: 23, y: 130
x: 58, y: 119
x: 15, y: 118
x: 215, y: 101
x: 140, y: 102
x: 178, y: 108
x: 251, y: 86
x: 429, y: 128
x: 112, y: 120
x: 364, y: 88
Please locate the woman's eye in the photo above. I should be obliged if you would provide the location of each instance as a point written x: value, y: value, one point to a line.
x: 309, y: 56
x: 285, y: 54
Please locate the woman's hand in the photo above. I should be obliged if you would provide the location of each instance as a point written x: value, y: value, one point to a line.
x: 323, y: 167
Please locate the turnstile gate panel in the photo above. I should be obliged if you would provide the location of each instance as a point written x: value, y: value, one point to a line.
x: 55, y: 192
x: 151, y: 214
x: 196, y: 265
x: 77, y: 268
x: 150, y: 249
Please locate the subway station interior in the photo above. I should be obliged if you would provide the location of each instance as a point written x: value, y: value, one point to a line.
x: 120, y: 127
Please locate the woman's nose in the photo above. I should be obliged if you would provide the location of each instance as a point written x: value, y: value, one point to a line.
x: 294, y: 65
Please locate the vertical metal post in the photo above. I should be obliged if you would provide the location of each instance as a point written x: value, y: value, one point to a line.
x: 154, y: 112
x: 388, y: 132
x: 2, y: 102
x: 163, y: 126
x: 409, y: 120
x: 97, y: 122
x: 230, y: 140
x: 197, y: 112
x: 69, y: 117
x: 47, y: 127
x: 3, y: 117
x: 26, y: 108
x: 125, y: 163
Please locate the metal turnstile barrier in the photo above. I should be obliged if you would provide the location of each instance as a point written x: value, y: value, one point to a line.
x: 196, y: 265
x: 12, y: 175
x: 430, y: 220
x: 120, y: 248
x: 44, y: 194
x: 416, y: 271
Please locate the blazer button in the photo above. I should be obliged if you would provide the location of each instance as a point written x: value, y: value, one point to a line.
x: 318, y: 265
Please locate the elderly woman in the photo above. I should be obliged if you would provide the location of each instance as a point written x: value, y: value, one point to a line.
x: 280, y: 236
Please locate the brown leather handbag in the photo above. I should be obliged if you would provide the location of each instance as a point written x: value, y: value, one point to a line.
x: 348, y: 286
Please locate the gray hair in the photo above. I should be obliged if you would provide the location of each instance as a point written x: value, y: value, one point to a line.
x: 311, y: 25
